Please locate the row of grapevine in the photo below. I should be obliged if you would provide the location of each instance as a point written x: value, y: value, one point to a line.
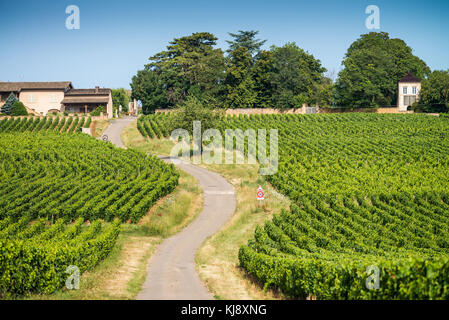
x: 154, y: 125
x: 46, y: 124
x: 34, y: 258
x: 60, y: 176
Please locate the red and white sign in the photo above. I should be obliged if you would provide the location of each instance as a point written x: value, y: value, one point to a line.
x: 260, y: 194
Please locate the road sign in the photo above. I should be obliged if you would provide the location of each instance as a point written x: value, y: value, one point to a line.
x: 260, y: 194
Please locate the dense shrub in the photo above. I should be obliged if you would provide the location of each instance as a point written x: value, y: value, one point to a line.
x: 193, y: 110
x: 435, y: 108
x: 97, y: 111
x: 19, y: 109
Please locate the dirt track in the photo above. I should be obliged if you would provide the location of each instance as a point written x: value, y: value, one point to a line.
x: 172, y: 271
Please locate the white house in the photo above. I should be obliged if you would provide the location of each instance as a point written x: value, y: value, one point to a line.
x: 409, y: 89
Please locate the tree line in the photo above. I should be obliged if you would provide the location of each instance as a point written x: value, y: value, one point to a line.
x: 247, y: 76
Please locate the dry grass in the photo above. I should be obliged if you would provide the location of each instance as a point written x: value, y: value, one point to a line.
x: 217, y: 259
x: 134, y: 253
x: 176, y: 210
x: 99, y: 126
x: 115, y: 276
x: 131, y: 136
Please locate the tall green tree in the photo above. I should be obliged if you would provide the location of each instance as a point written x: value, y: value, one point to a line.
x: 323, y: 92
x: 246, y: 39
x: 149, y: 87
x: 193, y: 109
x: 373, y: 65
x: 294, y: 77
x: 243, y: 52
x: 435, y: 89
x: 120, y: 97
x: 192, y: 65
x: 7, y: 108
x: 262, y: 69
x: 239, y: 80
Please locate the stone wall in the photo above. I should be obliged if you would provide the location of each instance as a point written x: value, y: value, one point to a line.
x: 265, y: 111
x: 367, y: 110
x: 253, y: 111
x: 348, y: 110
x: 391, y: 110
x: 302, y: 110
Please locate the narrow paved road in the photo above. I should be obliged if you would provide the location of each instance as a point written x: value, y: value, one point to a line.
x: 172, y: 271
x: 115, y: 129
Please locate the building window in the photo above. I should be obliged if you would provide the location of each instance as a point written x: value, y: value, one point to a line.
x: 404, y: 90
x: 415, y: 90
x: 409, y: 100
x: 53, y: 98
x: 30, y: 98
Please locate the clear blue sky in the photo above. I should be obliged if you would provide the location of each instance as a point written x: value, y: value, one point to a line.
x: 117, y: 37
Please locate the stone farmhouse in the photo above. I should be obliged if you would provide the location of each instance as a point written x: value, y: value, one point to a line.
x: 46, y: 97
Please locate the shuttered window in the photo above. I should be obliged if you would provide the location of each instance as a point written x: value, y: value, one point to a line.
x: 409, y: 100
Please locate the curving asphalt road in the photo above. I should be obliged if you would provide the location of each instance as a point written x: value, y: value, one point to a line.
x: 172, y: 271
x: 114, y: 130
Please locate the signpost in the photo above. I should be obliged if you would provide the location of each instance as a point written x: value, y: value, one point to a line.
x: 260, y: 194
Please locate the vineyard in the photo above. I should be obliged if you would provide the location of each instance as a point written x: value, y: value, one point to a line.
x: 34, y: 257
x: 46, y: 124
x: 63, y: 198
x: 154, y: 126
x: 370, y: 192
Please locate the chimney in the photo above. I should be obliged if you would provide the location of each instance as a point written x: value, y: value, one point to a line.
x: 96, y: 89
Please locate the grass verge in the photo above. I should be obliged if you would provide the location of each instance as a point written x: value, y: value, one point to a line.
x: 99, y: 127
x: 217, y: 259
x: 131, y: 137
